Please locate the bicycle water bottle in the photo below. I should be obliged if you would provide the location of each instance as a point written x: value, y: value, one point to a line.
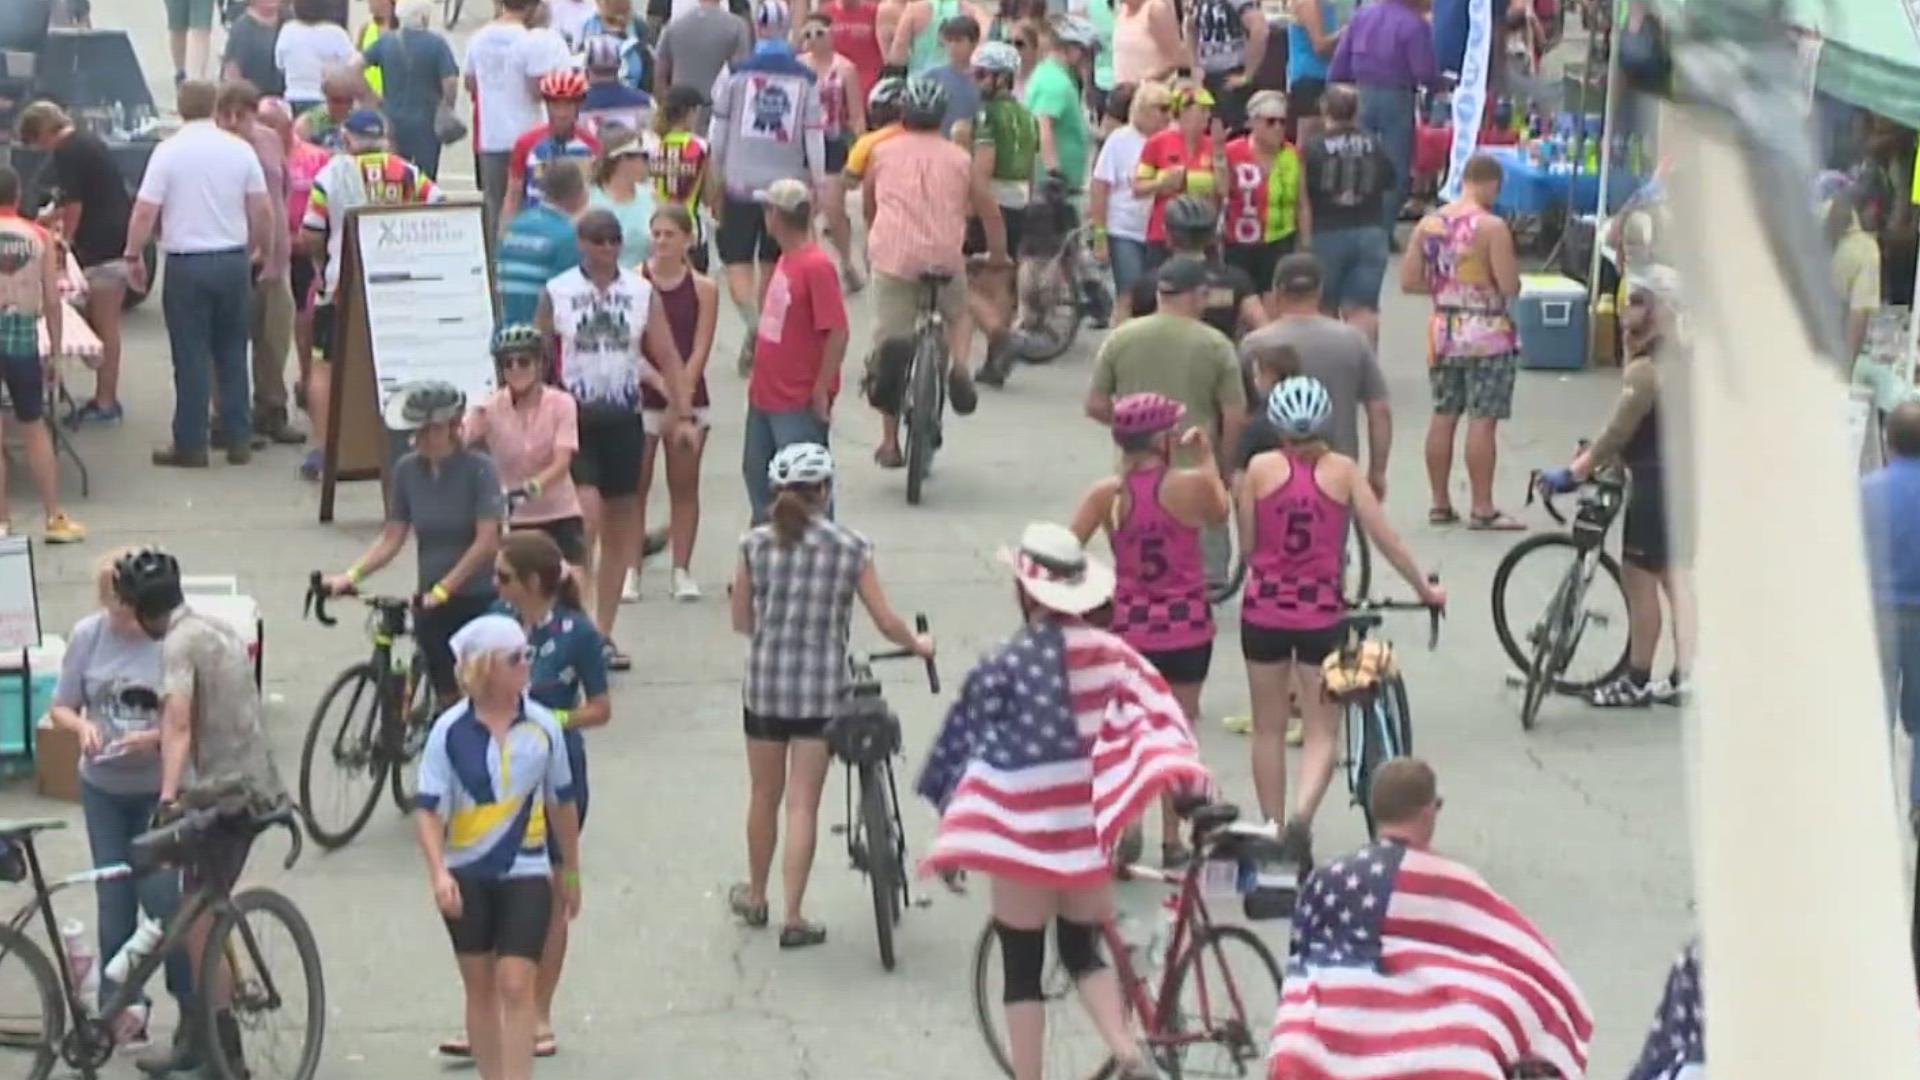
x: 83, y: 963
x: 144, y: 940
x: 1156, y: 951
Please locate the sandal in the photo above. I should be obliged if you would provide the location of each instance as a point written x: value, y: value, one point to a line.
x: 895, y: 460
x: 1495, y: 521
x: 456, y: 1047
x: 801, y: 935
x: 544, y: 1045
x: 739, y: 902
x: 1442, y: 515
x: 616, y: 660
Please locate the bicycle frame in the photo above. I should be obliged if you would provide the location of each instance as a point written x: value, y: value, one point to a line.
x: 1191, y: 921
x: 855, y: 828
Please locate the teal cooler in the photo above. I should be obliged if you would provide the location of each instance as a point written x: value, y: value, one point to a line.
x: 16, y: 723
x: 1551, y: 314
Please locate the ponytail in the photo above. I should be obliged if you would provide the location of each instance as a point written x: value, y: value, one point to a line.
x: 534, y: 557
x: 793, y: 510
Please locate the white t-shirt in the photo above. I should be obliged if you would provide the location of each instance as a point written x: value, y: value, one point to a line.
x: 1127, y: 213
x: 505, y: 61
x: 600, y: 334
x: 569, y: 17
x: 200, y: 179
x: 305, y: 52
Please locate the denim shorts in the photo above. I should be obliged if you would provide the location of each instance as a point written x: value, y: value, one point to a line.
x: 1128, y: 261
x: 1353, y: 262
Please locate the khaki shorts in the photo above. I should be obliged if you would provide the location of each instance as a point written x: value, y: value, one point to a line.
x: 896, y: 303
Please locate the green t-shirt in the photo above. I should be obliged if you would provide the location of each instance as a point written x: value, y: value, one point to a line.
x: 1100, y: 14
x: 1007, y: 127
x: 1183, y: 358
x: 1052, y: 93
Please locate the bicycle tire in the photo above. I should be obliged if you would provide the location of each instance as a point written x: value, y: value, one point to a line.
x: 923, y: 414
x: 1402, y: 712
x: 883, y: 877
x: 1375, y: 750
x: 419, y: 718
x: 1057, y: 998
x: 359, y: 675
x: 1247, y: 1043
x: 1048, y: 346
x: 243, y: 998
x: 1523, y: 658
x: 19, y: 950
x: 450, y: 11
x: 1535, y: 692
x: 1357, y: 577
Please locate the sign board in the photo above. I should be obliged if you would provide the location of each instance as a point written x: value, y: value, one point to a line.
x: 19, y: 599
x: 416, y: 302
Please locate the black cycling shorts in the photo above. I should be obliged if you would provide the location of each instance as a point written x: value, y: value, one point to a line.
x: 502, y: 916
x: 1182, y: 667
x: 1646, y: 536
x: 569, y: 535
x: 743, y: 237
x: 434, y: 628
x: 1264, y: 645
x: 611, y: 442
x: 780, y: 729
x: 976, y: 242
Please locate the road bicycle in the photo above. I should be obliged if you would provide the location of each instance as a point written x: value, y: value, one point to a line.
x: 865, y: 734
x: 450, y: 12
x: 1356, y: 575
x: 1363, y: 677
x: 926, y: 401
x: 43, y: 1019
x: 370, y: 725
x: 1584, y: 599
x: 1219, y: 986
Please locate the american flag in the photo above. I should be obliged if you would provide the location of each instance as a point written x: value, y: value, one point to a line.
x: 1407, y: 966
x: 1058, y: 742
x: 1676, y: 1047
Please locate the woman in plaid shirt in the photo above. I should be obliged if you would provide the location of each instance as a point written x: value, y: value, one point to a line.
x: 793, y: 596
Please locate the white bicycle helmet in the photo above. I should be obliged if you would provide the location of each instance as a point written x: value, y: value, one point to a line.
x: 1299, y: 407
x: 800, y: 464
x: 924, y: 103
x: 998, y: 57
x: 1074, y: 30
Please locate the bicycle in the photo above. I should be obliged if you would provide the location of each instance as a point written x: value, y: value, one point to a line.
x: 865, y: 734
x: 1356, y: 575
x: 1574, y: 607
x: 926, y: 384
x: 450, y: 12
x: 1050, y: 291
x: 375, y: 743
x: 1363, y: 677
x: 1181, y: 1033
x: 204, y: 841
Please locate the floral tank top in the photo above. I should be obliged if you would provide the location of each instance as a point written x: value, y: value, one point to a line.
x: 1469, y: 312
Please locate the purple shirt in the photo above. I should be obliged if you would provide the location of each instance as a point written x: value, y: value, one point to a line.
x: 1388, y: 43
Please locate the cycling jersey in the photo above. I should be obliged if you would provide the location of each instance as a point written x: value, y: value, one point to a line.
x: 1167, y: 150
x: 680, y: 173
x: 537, y: 149
x: 1261, y: 202
x: 1011, y: 132
x: 1347, y: 174
x: 600, y: 330
x: 1219, y: 35
x: 375, y: 178
x: 1160, y: 593
x: 1300, y: 539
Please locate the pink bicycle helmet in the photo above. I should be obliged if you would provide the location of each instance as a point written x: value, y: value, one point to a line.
x: 1145, y: 414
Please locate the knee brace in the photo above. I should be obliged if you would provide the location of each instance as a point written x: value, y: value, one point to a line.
x: 886, y: 380
x: 1079, y: 947
x: 1023, y: 953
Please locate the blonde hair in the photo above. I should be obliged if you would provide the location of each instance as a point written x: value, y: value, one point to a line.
x: 1148, y: 96
x: 475, y: 670
x: 103, y: 574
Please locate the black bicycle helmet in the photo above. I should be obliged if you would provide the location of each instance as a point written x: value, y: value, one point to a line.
x: 518, y: 338
x: 1189, y: 218
x: 924, y: 105
x: 883, y: 101
x: 148, y: 581
x: 415, y: 405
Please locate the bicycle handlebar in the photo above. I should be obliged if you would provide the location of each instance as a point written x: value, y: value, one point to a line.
x: 1435, y: 613
x: 317, y: 597
x: 933, y: 672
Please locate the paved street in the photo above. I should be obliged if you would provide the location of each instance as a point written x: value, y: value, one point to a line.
x: 1581, y: 823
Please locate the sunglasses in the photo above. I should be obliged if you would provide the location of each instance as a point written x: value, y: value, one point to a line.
x: 1270, y: 121
x: 520, y: 360
x: 813, y: 33
x: 519, y: 657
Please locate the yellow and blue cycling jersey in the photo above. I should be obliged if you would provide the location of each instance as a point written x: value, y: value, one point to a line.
x: 493, y: 794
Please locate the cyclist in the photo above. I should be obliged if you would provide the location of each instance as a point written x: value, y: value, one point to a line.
x: 1293, y: 513
x: 1231, y: 303
x: 918, y: 193
x: 532, y: 431
x: 1016, y: 731
x: 561, y: 137
x: 1267, y: 213
x: 691, y: 301
x: 1651, y: 564
x: 495, y: 799
x: 680, y: 167
x: 211, y: 725
x: 1006, y: 142
x: 1154, y: 515
x: 883, y: 123
x: 793, y: 594
x: 1183, y: 160
x: 448, y: 499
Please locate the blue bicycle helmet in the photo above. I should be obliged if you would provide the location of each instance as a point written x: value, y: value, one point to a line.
x: 1299, y: 407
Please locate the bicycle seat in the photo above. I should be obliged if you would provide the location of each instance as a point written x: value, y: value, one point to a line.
x: 935, y: 277
x: 25, y: 827
x: 1213, y: 816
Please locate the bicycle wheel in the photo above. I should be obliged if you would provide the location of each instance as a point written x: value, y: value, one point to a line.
x: 1357, y: 569
x: 1055, y: 299
x: 252, y: 938
x: 1227, y: 987
x: 419, y: 719
x: 450, y: 12
x: 1073, y: 1048
x: 1399, y: 717
x: 1224, y: 586
x: 1523, y: 588
x: 1375, y: 747
x: 344, y: 740
x: 1535, y: 690
x: 923, y: 413
x: 883, y: 875
x: 33, y: 1016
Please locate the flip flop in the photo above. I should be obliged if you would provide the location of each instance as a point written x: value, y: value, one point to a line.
x: 1495, y: 522
x: 1442, y: 515
x: 544, y: 1046
x: 456, y: 1047
x: 802, y: 935
x: 895, y: 460
x: 754, y: 915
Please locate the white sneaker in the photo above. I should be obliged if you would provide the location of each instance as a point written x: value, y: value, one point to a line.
x: 685, y: 589
x: 630, y: 589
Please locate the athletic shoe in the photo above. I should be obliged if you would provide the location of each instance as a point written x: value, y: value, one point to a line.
x: 1623, y: 692
x: 95, y: 414
x: 312, y: 465
x: 1296, y: 731
x: 1238, y: 725
x: 62, y: 529
x: 630, y: 588
x: 1673, y: 690
x: 685, y: 589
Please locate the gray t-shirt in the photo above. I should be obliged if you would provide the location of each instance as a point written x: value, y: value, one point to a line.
x: 699, y: 43
x: 444, y: 505
x: 1336, y: 354
x: 963, y: 95
x: 114, y: 679
x: 250, y: 45
x: 203, y: 660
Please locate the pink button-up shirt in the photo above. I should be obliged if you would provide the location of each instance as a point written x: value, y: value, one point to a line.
x: 523, y: 442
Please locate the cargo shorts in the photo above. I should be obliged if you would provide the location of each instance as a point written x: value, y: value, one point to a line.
x: 1479, y: 386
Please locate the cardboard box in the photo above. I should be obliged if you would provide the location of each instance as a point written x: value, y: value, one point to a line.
x: 56, y: 759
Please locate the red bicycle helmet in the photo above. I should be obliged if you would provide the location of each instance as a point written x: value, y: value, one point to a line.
x: 1145, y: 414
x: 566, y: 84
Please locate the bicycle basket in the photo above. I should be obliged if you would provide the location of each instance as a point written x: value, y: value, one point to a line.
x: 1352, y: 671
x: 13, y: 863
x: 1267, y: 883
x: 864, y: 732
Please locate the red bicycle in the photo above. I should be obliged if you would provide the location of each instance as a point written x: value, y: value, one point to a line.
x: 1219, y: 985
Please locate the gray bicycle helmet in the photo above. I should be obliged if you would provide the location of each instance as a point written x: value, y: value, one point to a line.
x: 997, y: 57
x: 924, y: 104
x: 415, y: 405
x: 1191, y: 218
x: 1075, y: 30
x: 518, y: 338
x: 148, y: 581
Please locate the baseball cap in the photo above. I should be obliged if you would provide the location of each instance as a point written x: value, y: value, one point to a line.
x: 1297, y: 274
x: 786, y: 195
x: 365, y: 124
x: 603, y: 53
x: 1180, y: 275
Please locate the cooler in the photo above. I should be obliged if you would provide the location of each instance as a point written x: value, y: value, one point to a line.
x: 24, y: 701
x: 1551, y: 315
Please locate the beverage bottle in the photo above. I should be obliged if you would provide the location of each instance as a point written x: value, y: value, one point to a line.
x: 145, y: 939
x: 83, y: 963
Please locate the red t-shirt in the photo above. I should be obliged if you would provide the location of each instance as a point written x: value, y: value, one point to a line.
x: 855, y: 38
x: 802, y: 307
x: 1168, y: 150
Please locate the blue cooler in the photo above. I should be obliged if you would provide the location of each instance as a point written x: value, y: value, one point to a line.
x: 1551, y: 315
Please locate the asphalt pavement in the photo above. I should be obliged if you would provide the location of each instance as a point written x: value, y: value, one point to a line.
x: 1580, y: 823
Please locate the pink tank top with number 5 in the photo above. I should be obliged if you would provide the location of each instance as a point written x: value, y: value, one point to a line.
x: 1300, y: 537
x: 1160, y: 589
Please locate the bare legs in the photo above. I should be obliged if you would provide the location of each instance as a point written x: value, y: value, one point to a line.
x: 833, y: 204
x: 795, y: 771
x: 1644, y: 588
x: 1188, y: 695
x: 1027, y: 907
x: 613, y: 545
x: 683, y: 495
x: 1481, y: 458
x: 105, y: 300
x: 500, y: 1013
x: 1278, y: 690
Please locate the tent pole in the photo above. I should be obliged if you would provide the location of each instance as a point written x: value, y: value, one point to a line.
x: 1609, y: 106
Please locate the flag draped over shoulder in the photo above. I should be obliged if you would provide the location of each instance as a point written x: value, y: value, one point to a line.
x: 1407, y: 966
x: 1059, y: 741
x: 1676, y: 1047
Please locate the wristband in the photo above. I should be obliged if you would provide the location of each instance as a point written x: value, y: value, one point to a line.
x: 355, y: 573
x: 534, y: 487
x: 1099, y: 231
x: 439, y: 592
x: 570, y: 877
x: 564, y: 716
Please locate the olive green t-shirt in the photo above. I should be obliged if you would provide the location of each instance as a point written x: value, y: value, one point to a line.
x: 1183, y: 358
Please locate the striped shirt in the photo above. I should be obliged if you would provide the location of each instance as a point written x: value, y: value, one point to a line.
x: 802, y: 612
x: 374, y: 178
x: 493, y: 793
x: 922, y: 187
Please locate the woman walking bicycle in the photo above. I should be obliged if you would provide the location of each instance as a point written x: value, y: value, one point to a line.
x: 1295, y: 507
x: 1153, y: 515
x: 793, y: 595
